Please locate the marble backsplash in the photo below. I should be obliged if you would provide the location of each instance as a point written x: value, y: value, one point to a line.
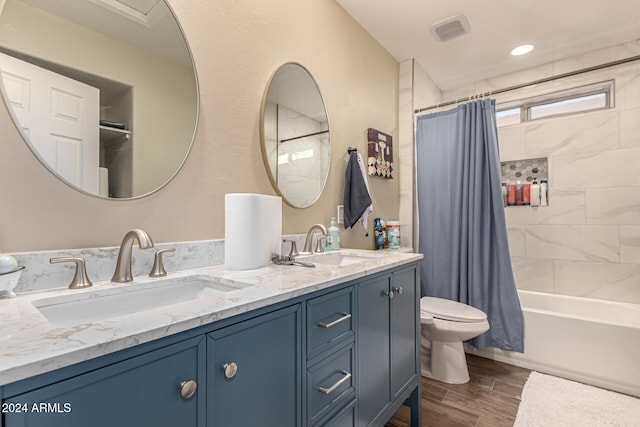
x: 40, y: 275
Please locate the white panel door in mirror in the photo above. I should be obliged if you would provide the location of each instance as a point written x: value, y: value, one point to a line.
x: 61, y: 117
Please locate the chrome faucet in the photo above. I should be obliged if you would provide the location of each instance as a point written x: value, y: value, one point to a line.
x: 308, y: 243
x: 123, y: 266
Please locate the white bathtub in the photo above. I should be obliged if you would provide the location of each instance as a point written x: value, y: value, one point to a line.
x: 592, y: 341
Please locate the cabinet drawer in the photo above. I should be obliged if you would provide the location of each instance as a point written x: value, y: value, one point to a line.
x: 345, y: 418
x: 330, y: 383
x: 330, y: 320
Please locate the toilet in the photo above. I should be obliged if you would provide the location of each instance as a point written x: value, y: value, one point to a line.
x: 445, y: 324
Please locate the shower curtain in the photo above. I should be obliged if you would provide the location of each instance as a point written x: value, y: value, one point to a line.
x: 462, y: 226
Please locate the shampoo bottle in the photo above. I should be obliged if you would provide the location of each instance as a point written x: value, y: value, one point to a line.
x: 333, y: 240
x: 535, y: 193
x: 544, y: 201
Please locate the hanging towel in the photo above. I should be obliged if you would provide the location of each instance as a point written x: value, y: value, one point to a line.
x: 356, y: 195
x: 364, y: 219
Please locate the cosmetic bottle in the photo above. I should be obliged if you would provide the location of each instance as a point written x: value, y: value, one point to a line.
x: 333, y: 240
x: 535, y: 193
x: 544, y: 197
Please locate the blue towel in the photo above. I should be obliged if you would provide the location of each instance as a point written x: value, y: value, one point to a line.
x: 356, y: 195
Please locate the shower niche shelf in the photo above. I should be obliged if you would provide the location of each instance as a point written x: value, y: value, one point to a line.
x: 522, y: 173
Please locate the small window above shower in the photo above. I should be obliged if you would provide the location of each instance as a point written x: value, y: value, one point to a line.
x: 577, y: 100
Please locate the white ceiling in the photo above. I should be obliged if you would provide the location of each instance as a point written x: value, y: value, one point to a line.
x: 558, y: 28
x: 146, y: 24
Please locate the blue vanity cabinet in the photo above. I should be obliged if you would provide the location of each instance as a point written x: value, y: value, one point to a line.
x: 344, y: 356
x: 388, y: 346
x: 254, y: 371
x: 145, y: 390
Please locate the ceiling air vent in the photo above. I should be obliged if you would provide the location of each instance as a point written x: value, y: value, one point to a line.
x: 450, y: 28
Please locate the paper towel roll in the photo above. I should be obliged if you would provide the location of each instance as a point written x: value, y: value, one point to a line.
x: 103, y: 176
x: 252, y: 230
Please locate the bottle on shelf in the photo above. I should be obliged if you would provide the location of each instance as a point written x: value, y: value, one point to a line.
x: 535, y: 193
x: 544, y: 197
x: 505, y: 194
x: 519, y: 200
x: 526, y: 194
x: 512, y: 195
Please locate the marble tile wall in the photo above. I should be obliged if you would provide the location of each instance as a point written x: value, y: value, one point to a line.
x: 587, y: 242
x: 405, y: 151
x: 303, y: 156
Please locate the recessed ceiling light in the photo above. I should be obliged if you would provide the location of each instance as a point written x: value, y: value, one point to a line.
x: 521, y: 50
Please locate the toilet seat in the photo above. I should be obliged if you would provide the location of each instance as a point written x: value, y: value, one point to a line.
x: 445, y: 309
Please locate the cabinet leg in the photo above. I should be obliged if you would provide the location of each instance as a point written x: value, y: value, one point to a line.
x: 414, y: 403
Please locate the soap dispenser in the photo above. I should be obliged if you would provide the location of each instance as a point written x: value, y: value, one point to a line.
x: 333, y: 240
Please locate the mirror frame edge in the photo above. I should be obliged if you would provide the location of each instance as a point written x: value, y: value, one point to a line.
x: 7, y: 104
x: 263, y: 148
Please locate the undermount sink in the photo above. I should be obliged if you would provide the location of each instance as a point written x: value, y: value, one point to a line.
x: 341, y: 258
x: 91, y: 306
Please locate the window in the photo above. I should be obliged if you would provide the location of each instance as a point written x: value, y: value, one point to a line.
x: 572, y: 101
x: 508, y: 117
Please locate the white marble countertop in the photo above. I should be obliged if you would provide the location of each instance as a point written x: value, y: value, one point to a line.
x: 31, y: 345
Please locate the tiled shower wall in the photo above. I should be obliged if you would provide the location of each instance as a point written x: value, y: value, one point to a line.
x: 587, y: 242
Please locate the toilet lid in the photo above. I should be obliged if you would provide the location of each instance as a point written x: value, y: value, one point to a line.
x: 451, y: 310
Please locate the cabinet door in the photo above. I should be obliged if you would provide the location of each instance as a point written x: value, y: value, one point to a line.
x: 404, y: 315
x: 254, y: 373
x: 373, y: 348
x: 141, y: 391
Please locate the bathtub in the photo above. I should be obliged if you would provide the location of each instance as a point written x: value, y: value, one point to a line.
x: 592, y: 341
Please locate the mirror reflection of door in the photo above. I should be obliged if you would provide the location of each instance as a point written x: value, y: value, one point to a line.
x: 135, y: 54
x: 61, y: 117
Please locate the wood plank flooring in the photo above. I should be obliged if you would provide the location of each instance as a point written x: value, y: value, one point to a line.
x: 489, y: 399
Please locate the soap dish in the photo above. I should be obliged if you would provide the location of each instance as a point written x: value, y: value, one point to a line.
x: 8, y: 282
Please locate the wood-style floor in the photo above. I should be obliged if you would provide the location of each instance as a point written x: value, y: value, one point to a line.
x: 489, y: 399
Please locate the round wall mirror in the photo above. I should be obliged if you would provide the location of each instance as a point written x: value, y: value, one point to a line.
x: 104, y: 92
x: 295, y: 137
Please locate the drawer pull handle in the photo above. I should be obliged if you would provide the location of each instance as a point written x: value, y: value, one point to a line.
x: 398, y: 290
x: 344, y: 317
x: 188, y: 389
x: 230, y: 370
x: 342, y: 380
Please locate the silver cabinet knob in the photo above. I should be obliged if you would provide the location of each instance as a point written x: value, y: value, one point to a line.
x: 398, y: 290
x: 188, y: 389
x: 230, y: 370
x: 389, y: 294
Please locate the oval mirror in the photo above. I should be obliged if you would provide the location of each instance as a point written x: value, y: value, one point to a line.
x: 104, y: 92
x: 295, y: 137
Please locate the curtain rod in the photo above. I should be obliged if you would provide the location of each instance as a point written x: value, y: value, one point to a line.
x: 304, y: 136
x: 535, y: 82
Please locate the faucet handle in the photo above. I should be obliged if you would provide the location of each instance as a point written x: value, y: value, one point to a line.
x: 158, y: 268
x: 80, y: 279
x: 294, y: 247
x: 319, y: 247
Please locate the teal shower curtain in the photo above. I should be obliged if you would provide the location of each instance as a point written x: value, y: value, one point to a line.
x: 462, y: 230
